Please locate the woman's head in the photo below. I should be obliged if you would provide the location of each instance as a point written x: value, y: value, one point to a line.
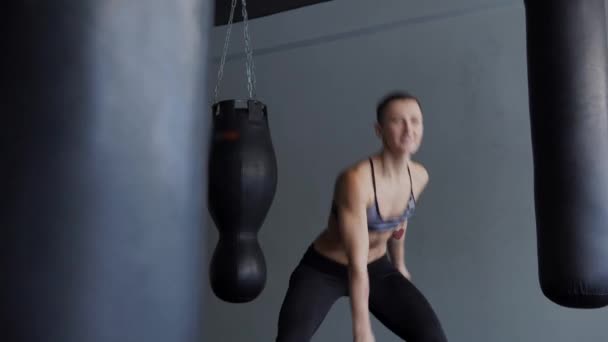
x: 399, y: 122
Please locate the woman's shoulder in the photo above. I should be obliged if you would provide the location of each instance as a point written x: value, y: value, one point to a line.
x: 359, y: 169
x: 356, y: 175
x: 420, y: 176
x: 419, y: 171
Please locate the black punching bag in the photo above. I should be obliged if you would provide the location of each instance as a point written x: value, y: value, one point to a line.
x: 103, y: 147
x: 242, y: 184
x: 566, y: 43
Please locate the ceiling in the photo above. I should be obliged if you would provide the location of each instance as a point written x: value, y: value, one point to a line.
x: 257, y: 8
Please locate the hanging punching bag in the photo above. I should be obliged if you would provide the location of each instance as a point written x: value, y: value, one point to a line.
x: 101, y: 187
x: 568, y: 91
x: 242, y: 184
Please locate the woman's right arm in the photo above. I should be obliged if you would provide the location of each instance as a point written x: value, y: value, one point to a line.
x: 351, y: 202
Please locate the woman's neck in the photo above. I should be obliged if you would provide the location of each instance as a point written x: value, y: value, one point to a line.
x: 394, y: 165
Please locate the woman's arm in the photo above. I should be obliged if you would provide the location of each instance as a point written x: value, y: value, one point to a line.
x: 396, y: 250
x: 351, y: 201
x: 396, y: 244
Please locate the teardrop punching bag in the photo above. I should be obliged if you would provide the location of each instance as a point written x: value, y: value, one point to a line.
x: 242, y: 184
x: 101, y: 187
x: 568, y: 92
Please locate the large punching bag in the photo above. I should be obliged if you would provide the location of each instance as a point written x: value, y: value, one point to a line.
x: 242, y: 184
x: 103, y: 144
x: 568, y: 90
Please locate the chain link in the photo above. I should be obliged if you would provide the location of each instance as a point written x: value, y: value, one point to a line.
x: 249, y: 64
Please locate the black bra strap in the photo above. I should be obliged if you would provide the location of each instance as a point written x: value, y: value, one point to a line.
x: 411, y: 183
x: 371, y: 163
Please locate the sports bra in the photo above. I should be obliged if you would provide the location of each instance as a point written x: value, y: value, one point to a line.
x: 375, y: 222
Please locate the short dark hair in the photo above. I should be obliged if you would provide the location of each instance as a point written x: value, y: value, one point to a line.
x: 393, y: 96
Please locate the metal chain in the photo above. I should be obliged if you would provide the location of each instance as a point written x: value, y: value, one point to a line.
x: 250, y: 67
x: 249, y: 51
x: 220, y: 72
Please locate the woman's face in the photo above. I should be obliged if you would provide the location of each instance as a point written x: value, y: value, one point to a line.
x: 401, y: 128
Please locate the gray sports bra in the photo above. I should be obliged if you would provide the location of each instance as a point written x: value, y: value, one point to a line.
x: 375, y: 222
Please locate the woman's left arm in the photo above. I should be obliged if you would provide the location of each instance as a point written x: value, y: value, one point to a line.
x: 396, y: 243
x: 396, y: 250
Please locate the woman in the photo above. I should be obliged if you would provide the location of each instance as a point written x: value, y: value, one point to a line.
x: 372, y: 201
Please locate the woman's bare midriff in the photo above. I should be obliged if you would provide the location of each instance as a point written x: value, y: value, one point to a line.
x: 329, y: 244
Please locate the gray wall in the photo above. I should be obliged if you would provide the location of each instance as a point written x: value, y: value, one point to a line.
x: 471, y: 246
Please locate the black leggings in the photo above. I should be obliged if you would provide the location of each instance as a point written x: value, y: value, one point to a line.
x: 317, y: 282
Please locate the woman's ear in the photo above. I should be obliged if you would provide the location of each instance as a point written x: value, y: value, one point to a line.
x: 378, y: 130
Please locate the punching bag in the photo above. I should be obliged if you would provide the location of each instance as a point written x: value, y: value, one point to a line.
x: 242, y: 184
x: 568, y: 92
x: 103, y: 145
